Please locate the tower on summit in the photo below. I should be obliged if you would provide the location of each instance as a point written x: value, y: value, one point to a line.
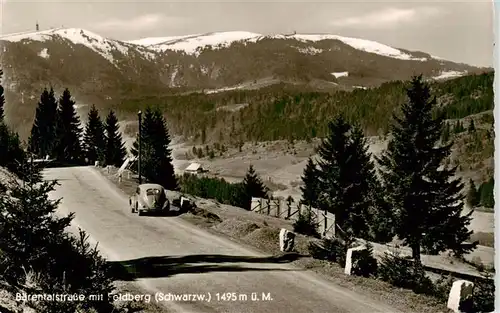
x: 37, y: 26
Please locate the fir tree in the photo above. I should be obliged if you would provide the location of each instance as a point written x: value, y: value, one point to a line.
x: 486, y: 193
x: 203, y: 136
x: 43, y: 132
x: 12, y: 155
x: 68, y: 148
x: 473, y: 196
x: 2, y: 99
x: 156, y: 159
x: 347, y: 177
x: 93, y: 140
x: 310, y: 189
x: 253, y: 187
x: 115, y: 151
x: 446, y: 132
x: 472, y: 127
x: 427, y: 200
x: 32, y: 237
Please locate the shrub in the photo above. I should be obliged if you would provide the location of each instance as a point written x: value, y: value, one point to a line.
x: 366, y: 265
x: 443, y: 286
x: 306, y: 225
x: 484, y: 294
x: 404, y: 273
x: 477, y: 263
x: 330, y: 249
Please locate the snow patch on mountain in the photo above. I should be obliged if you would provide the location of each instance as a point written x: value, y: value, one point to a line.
x: 340, y: 74
x: 309, y: 50
x: 173, y: 76
x: 437, y: 58
x: 150, y: 41
x: 103, y: 46
x: 92, y: 41
x: 193, y: 43
x: 360, y: 44
x: 44, y: 53
x: 449, y: 74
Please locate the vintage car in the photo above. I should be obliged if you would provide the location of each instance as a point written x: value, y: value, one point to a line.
x: 149, y: 198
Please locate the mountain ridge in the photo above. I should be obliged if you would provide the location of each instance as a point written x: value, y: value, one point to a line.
x: 102, y: 71
x: 219, y: 38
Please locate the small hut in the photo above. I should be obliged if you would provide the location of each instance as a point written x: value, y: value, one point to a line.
x: 194, y: 168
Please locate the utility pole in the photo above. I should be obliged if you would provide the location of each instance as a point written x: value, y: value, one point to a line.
x: 139, y: 115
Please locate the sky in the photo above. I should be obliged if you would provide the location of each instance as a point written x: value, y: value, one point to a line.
x: 460, y: 31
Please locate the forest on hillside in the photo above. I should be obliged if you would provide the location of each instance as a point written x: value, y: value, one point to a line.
x: 282, y: 112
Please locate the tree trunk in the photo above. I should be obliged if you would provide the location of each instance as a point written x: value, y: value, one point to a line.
x: 416, y: 252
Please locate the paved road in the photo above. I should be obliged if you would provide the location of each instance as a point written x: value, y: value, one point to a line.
x: 173, y: 256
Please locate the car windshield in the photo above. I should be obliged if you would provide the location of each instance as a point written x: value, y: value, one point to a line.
x: 153, y: 192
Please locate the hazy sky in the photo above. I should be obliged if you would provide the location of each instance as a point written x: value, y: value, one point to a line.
x: 460, y: 31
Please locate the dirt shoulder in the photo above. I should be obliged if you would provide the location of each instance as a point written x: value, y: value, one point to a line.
x: 262, y: 232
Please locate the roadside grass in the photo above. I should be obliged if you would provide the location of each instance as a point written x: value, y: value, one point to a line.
x: 262, y: 232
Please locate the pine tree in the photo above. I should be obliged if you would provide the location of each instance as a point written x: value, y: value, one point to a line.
x: 203, y: 136
x: 427, y: 200
x: 93, y: 140
x: 32, y: 237
x: 12, y: 155
x: 156, y: 156
x: 347, y: 177
x: 115, y: 151
x: 446, y: 132
x: 486, y: 193
x: 370, y: 216
x: 310, y: 178
x: 473, y: 195
x: 2, y: 99
x: 43, y: 132
x: 253, y: 187
x: 472, y: 127
x: 68, y: 130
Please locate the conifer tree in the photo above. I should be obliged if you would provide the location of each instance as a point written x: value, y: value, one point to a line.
x: 2, y: 98
x: 473, y: 196
x: 32, y: 237
x: 446, y: 132
x: 253, y: 187
x: 156, y: 159
x: 486, y: 193
x: 68, y: 130
x: 93, y: 140
x: 43, y: 132
x: 310, y: 189
x: 12, y: 155
x: 370, y: 216
x: 427, y: 200
x: 472, y: 127
x: 347, y: 176
x: 115, y: 151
